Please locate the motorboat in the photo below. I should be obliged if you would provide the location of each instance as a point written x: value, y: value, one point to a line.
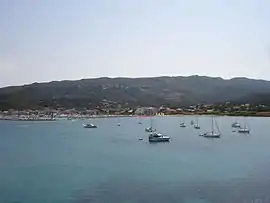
x: 183, y: 125
x: 158, y: 137
x: 149, y: 129
x: 89, y: 126
x: 236, y: 125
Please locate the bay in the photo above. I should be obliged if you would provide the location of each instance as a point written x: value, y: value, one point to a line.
x: 63, y: 162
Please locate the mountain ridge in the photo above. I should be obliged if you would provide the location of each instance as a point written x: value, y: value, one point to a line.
x: 130, y: 92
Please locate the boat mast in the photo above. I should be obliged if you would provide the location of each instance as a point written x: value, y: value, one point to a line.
x: 212, y: 124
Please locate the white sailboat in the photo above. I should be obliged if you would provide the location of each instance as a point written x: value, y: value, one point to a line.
x: 118, y: 122
x: 245, y: 129
x: 196, y: 126
x: 139, y: 121
x: 150, y: 129
x: 215, y: 133
x: 183, y: 124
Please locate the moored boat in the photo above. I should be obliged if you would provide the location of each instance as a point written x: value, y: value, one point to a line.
x: 158, y: 137
x: 89, y: 126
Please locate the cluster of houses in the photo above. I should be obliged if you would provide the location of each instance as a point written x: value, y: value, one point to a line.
x: 147, y: 111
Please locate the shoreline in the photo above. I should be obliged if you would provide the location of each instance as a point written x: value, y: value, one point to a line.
x: 40, y: 119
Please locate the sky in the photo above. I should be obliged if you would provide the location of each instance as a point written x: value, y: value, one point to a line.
x: 46, y: 40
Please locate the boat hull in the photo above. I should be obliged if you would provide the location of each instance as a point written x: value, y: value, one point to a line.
x: 244, y: 131
x: 211, y: 135
x: 159, y: 139
x: 89, y: 126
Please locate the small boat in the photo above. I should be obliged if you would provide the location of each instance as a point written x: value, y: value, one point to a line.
x: 182, y: 125
x: 158, y: 137
x: 140, y: 138
x: 118, y: 124
x: 236, y: 125
x: 140, y: 122
x: 149, y: 129
x: 89, y: 126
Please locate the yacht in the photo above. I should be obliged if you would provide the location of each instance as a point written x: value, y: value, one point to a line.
x: 149, y: 129
x: 183, y: 125
x: 89, y: 126
x: 196, y: 126
x: 211, y: 135
x: 244, y: 130
x: 215, y: 133
x: 236, y: 125
x: 158, y: 137
x: 118, y: 122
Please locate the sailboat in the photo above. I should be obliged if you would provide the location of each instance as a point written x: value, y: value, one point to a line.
x: 245, y: 129
x: 150, y: 129
x: 215, y: 133
x: 183, y: 124
x: 118, y: 122
x: 139, y: 121
x: 196, y: 126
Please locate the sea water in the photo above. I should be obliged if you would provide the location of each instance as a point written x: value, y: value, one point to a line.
x: 63, y: 162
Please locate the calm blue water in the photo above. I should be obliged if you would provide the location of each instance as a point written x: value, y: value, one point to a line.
x: 63, y: 162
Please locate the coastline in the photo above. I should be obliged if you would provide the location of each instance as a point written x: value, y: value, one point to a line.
x: 57, y: 118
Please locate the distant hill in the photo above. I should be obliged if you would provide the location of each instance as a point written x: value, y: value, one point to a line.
x: 131, y: 92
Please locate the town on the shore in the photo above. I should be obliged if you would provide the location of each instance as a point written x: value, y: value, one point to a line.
x: 51, y: 114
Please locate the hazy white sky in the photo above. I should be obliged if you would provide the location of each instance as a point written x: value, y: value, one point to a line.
x: 44, y: 40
